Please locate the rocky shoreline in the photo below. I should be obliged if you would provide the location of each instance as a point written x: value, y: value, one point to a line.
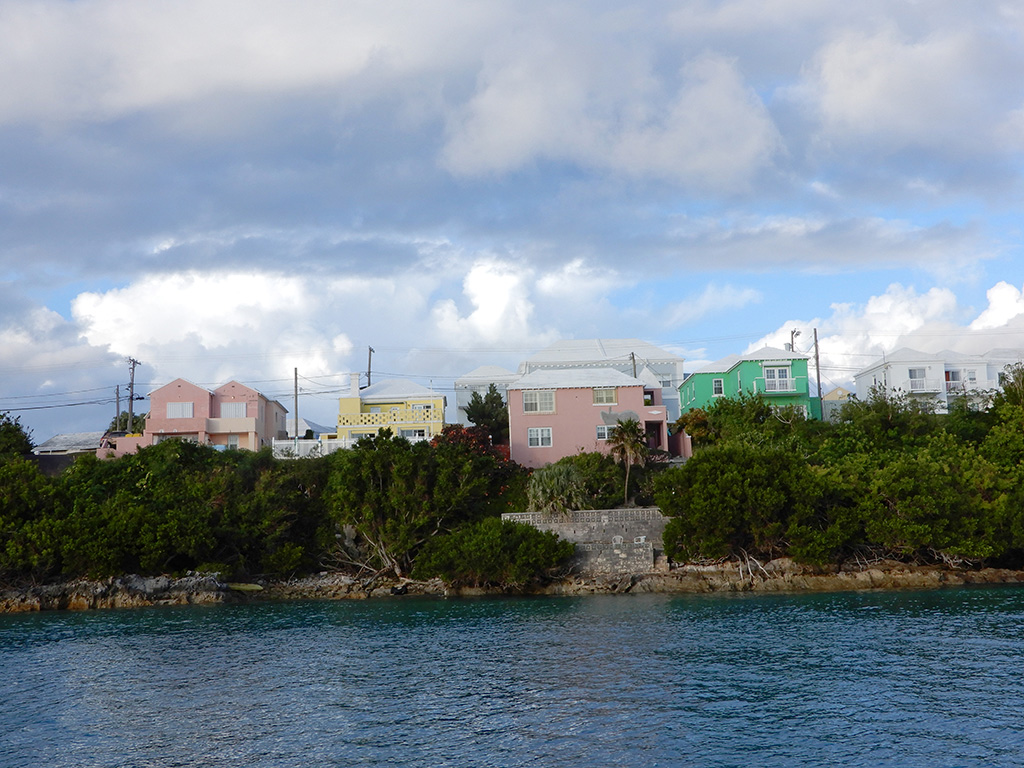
x: 781, y: 575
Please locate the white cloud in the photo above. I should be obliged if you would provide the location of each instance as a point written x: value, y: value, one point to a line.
x: 713, y: 300
x: 502, y: 309
x: 855, y: 335
x: 1005, y: 302
x: 712, y: 132
x: 891, y: 88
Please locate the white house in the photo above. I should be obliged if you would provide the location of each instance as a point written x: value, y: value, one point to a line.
x: 937, y: 378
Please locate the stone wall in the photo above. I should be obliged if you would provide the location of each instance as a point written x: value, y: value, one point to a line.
x: 608, y: 541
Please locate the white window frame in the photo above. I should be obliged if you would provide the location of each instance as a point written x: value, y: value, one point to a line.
x: 773, y: 382
x: 539, y: 401
x: 606, y: 395
x: 232, y: 442
x: 538, y: 437
x: 604, y: 431
x: 227, y: 408
x: 180, y: 410
x: 717, y: 387
x: 917, y: 382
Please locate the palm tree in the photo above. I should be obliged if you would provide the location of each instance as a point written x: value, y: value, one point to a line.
x: 627, y: 443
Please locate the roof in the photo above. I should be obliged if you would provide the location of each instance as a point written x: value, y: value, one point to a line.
x: 575, y: 351
x: 396, y: 389
x: 71, y: 442
x: 305, y: 424
x: 763, y: 354
x: 488, y: 374
x: 946, y: 356
x: 571, y: 378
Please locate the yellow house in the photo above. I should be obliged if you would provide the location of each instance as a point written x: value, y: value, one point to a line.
x: 408, y: 409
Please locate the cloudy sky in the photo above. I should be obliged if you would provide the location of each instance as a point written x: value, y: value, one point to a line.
x: 235, y: 189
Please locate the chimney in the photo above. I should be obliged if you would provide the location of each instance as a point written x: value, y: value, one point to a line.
x: 353, y: 387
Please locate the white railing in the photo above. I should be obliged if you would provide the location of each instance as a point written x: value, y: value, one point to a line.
x: 975, y: 385
x: 790, y: 386
x: 922, y: 385
x: 290, y: 448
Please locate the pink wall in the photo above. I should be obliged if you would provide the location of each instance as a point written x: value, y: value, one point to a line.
x: 179, y: 391
x: 208, y: 423
x: 574, y: 423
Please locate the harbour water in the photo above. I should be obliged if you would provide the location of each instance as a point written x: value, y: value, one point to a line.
x: 875, y: 679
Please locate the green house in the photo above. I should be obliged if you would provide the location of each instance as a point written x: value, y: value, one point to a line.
x: 778, y: 375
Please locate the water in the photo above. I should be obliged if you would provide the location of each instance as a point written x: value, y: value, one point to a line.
x: 873, y: 679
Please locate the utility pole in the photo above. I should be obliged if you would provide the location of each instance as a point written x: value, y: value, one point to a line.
x: 117, y: 408
x: 817, y: 364
x: 132, y: 362
x: 632, y: 356
x: 369, y: 365
x: 296, y: 421
x: 792, y: 339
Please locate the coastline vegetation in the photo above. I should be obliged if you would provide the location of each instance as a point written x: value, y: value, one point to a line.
x: 888, y: 479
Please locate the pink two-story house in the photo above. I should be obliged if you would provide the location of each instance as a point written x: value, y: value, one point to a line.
x: 232, y: 416
x: 557, y: 413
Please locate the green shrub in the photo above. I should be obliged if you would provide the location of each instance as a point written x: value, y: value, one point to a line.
x: 492, y: 552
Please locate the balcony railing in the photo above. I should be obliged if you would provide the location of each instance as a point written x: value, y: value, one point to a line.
x: 970, y: 386
x: 794, y: 385
x: 290, y: 448
x: 396, y: 417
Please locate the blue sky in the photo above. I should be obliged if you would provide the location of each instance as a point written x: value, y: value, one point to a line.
x: 236, y: 189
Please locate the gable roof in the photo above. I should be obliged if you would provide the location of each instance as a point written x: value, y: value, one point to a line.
x: 579, y: 351
x: 396, y: 389
x: 71, y: 442
x: 573, y: 378
x: 763, y: 354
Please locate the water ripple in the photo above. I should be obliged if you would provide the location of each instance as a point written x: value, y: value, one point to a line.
x: 880, y: 679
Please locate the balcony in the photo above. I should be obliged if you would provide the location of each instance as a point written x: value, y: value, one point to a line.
x: 921, y: 386
x: 794, y: 385
x: 395, y: 417
x: 970, y: 387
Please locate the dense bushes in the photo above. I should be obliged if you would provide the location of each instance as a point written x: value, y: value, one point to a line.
x: 889, y: 479
x: 492, y: 552
x: 178, y: 506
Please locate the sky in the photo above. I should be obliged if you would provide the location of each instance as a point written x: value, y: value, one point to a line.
x: 242, y: 188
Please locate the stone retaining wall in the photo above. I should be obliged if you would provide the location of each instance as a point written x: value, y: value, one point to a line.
x: 608, y: 541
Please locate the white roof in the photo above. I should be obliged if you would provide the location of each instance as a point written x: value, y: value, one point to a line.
x: 574, y: 378
x: 764, y: 353
x: 395, y: 389
x: 598, y: 350
x: 488, y: 374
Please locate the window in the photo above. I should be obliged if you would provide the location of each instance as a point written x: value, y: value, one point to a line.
x: 421, y: 406
x: 179, y: 410
x: 232, y: 410
x: 409, y: 434
x: 233, y: 442
x: 777, y: 380
x: 604, y: 396
x: 539, y: 437
x: 717, y: 387
x: 604, y: 431
x: 539, y: 401
x: 916, y: 379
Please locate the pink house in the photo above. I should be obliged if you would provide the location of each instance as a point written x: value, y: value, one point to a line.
x: 557, y: 413
x: 233, y: 416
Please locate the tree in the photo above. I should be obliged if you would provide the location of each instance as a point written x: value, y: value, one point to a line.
x: 628, y: 445
x: 490, y: 413
x: 397, y: 495
x: 14, y: 439
x: 120, y: 423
